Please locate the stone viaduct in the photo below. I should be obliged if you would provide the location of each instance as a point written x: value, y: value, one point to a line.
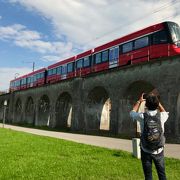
x: 100, y: 102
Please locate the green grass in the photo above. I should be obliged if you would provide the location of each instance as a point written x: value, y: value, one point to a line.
x: 26, y: 156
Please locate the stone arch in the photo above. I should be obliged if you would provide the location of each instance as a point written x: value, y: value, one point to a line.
x: 63, y: 110
x: 178, y: 114
x: 97, y: 110
x: 29, y: 111
x: 18, y: 111
x: 131, y: 94
x: 44, y: 111
x: 135, y: 89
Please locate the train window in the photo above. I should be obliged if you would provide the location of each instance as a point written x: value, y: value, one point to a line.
x: 70, y: 67
x: 105, y: 56
x: 50, y: 72
x: 42, y: 75
x: 59, y: 70
x: 142, y: 42
x: 23, y: 81
x: 175, y: 32
x: 38, y: 76
x: 87, y: 62
x: 54, y: 71
x: 17, y: 83
x: 28, y: 80
x: 64, y: 69
x: 98, y: 58
x: 79, y: 64
x: 32, y: 79
x: 127, y: 47
x: 160, y: 37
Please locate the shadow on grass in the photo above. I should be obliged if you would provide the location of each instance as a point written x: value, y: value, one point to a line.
x: 85, y: 132
x: 69, y: 130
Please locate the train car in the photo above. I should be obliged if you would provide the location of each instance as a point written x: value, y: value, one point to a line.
x: 15, y: 84
x: 83, y: 63
x: 18, y: 83
x: 33, y: 79
x: 61, y: 70
x: 150, y: 43
x: 156, y: 41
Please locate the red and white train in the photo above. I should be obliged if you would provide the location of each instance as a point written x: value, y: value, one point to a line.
x: 151, y: 43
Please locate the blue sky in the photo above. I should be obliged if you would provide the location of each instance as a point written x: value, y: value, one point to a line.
x: 12, y: 55
x: 45, y: 31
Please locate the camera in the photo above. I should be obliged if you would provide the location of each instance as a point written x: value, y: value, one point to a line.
x: 144, y: 96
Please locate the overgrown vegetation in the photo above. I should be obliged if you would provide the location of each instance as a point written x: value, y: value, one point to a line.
x: 27, y: 156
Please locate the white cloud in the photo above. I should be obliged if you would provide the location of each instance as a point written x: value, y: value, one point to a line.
x: 25, y: 38
x: 50, y: 58
x: 0, y: 17
x: 7, y: 74
x: 87, y: 21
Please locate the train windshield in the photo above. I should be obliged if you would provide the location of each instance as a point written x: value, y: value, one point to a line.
x: 175, y: 32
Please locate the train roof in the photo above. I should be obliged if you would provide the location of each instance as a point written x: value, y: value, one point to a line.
x: 130, y: 36
x: 66, y: 61
x: 37, y: 71
x: 29, y: 74
x: 84, y: 54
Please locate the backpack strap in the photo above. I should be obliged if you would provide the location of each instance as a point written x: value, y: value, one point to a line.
x: 145, y: 118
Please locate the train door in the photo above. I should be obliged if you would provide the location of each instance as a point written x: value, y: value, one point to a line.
x: 113, y: 57
x: 31, y: 80
x: 64, y: 71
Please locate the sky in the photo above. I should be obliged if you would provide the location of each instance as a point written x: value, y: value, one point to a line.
x: 47, y: 31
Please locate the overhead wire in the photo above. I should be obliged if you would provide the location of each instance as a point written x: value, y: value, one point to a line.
x: 157, y: 10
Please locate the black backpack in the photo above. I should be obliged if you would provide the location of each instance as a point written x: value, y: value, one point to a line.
x: 152, y: 137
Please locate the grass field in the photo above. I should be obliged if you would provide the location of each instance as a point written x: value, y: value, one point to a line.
x: 26, y: 156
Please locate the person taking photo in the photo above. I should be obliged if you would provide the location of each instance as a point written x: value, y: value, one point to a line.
x: 152, y: 134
